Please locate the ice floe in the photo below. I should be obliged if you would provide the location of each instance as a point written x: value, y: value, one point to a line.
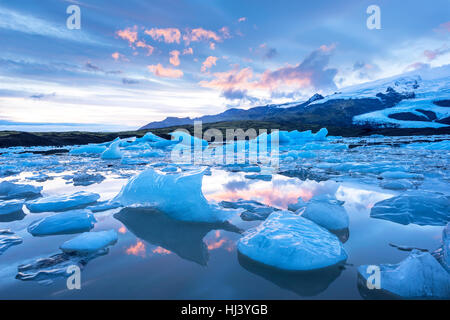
x: 418, y: 276
x: 88, y: 149
x: 62, y: 202
x: 418, y: 207
x: 12, y: 206
x: 90, y: 242
x: 63, y: 223
x: 289, y: 242
x: 10, y: 190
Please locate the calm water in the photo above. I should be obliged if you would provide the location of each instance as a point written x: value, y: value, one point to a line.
x: 159, y: 258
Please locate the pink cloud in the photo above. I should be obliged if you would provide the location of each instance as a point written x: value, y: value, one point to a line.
x: 174, y: 57
x: 208, y: 63
x: 188, y: 51
x: 225, y: 32
x: 118, y: 56
x: 142, y: 44
x: 137, y: 250
x: 212, y: 46
x: 242, y: 19
x: 160, y: 71
x: 200, y: 34
x: 443, y: 27
x: 433, y: 54
x: 129, y: 34
x: 168, y: 35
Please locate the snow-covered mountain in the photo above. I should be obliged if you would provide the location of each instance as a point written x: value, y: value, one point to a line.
x: 417, y: 99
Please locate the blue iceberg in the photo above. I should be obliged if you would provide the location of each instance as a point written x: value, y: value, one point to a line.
x: 289, y: 242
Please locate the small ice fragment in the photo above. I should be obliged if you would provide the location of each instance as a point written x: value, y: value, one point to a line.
x: 88, y: 149
x: 63, y: 223
x: 12, y: 206
x: 86, y: 179
x: 62, y: 202
x: 9, y: 190
x: 289, y: 242
x: 90, y: 242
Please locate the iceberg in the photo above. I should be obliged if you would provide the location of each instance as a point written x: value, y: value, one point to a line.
x: 88, y: 149
x: 63, y: 223
x: 418, y: 276
x: 289, y: 242
x: 62, y: 202
x: 417, y: 207
x: 9, y: 207
x: 90, y: 242
x: 9, y: 190
x: 186, y: 139
x: 397, y: 185
x: 179, y: 195
x: 327, y: 212
x: 113, y: 152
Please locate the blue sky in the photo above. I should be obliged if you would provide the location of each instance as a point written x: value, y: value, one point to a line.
x: 138, y: 61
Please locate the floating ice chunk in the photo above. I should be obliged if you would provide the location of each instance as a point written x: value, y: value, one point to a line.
x: 8, y: 170
x: 326, y: 211
x: 418, y: 276
x: 90, y: 242
x: 163, y: 144
x: 103, y: 206
x: 9, y: 207
x: 9, y: 190
x: 86, y: 179
x: 148, y: 137
x: 400, y: 184
x: 289, y: 242
x: 254, y: 210
x: 179, y: 195
x: 418, y: 207
x: 113, y: 152
x: 8, y: 239
x: 400, y: 175
x: 88, y: 149
x: 63, y: 223
x: 296, y: 206
x: 62, y: 202
x: 186, y: 139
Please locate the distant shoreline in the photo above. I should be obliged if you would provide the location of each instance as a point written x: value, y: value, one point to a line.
x: 58, y: 139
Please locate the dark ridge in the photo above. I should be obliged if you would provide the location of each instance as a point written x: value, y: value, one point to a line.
x: 442, y: 103
x: 407, y: 116
x: 430, y: 114
x: 59, y: 139
x: 444, y: 120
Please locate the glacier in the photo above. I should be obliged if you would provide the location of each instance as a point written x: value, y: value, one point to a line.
x: 289, y: 242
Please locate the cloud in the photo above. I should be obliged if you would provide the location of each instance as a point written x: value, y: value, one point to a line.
x: 168, y: 35
x: 208, y: 63
x: 200, y: 34
x: 242, y: 19
x: 265, y: 51
x: 188, y: 51
x: 129, y: 34
x: 41, y: 96
x: 129, y: 81
x: 174, y: 57
x: 433, y: 54
x: 417, y: 66
x: 312, y: 72
x: 443, y: 27
x: 92, y: 67
x: 142, y: 44
x: 232, y: 94
x: 225, y: 31
x: 118, y: 56
x: 160, y: 71
x: 365, y: 70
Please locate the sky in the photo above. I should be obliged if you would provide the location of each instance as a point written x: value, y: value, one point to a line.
x: 137, y: 61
